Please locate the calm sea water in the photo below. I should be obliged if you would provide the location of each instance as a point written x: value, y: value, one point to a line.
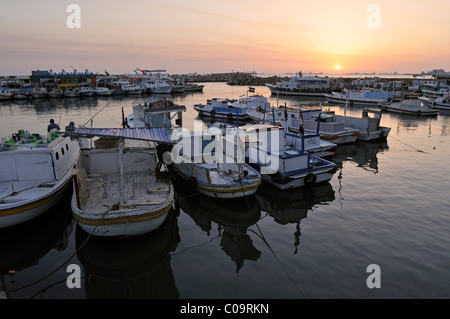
x: 387, y: 205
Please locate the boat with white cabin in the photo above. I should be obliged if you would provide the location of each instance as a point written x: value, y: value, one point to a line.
x: 368, y: 124
x: 103, y: 91
x: 87, y: 91
x: 280, y: 164
x: 35, y: 173
x: 301, y: 85
x: 219, y: 108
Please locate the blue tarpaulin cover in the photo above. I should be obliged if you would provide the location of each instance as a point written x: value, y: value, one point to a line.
x: 158, y: 135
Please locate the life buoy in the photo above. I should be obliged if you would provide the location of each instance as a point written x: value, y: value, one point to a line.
x: 310, y: 179
x: 213, y: 113
x: 192, y: 182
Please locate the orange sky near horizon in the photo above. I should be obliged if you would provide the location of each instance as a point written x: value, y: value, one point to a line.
x: 211, y: 36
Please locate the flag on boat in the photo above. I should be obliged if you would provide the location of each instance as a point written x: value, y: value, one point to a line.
x: 251, y: 90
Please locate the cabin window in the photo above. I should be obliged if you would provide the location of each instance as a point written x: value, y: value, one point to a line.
x: 67, y: 147
x: 57, y: 156
x: 62, y: 150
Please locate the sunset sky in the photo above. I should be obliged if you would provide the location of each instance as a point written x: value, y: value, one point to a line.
x: 209, y: 36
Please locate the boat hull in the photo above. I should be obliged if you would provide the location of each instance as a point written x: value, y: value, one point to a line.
x: 222, y: 115
x: 33, y: 208
x: 299, y: 92
x: 122, y: 223
x: 372, y: 102
x: 300, y: 179
x: 225, y: 191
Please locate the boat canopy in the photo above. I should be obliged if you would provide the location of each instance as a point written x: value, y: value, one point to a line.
x: 158, y: 135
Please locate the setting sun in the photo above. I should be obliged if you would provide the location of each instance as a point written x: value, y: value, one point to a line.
x: 338, y: 67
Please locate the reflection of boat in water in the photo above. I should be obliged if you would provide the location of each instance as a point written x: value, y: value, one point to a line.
x: 233, y: 217
x: 292, y: 205
x: 23, y: 246
x: 363, y: 154
x: 133, y: 267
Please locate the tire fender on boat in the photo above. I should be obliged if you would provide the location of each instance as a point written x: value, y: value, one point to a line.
x: 310, y: 179
x: 229, y: 116
x: 213, y: 113
x: 419, y: 112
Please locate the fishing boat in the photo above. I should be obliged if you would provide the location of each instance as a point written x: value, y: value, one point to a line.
x: 219, y: 108
x: 410, y: 106
x: 87, y: 91
x: 155, y: 114
x: 301, y: 85
x: 132, y: 89
x: 442, y: 103
x: 118, y: 190
x: 312, y: 121
x: 39, y: 93
x: 280, y: 164
x: 55, y: 93
x: 5, y: 94
x: 35, y: 172
x: 193, y: 87
x: 311, y: 143
x: 214, y: 165
x: 364, y: 97
x: 435, y: 93
x: 103, y: 91
x: 368, y: 124
x: 72, y: 92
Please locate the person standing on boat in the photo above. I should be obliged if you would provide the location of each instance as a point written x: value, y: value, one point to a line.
x: 52, y: 126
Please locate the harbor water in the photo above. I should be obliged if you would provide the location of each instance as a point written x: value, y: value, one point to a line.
x: 387, y: 205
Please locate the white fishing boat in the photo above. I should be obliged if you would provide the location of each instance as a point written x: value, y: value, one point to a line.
x: 311, y: 143
x: 87, y: 91
x: 5, y: 94
x: 365, y: 97
x: 35, y: 172
x: 132, y: 89
x: 193, y: 87
x: 441, y: 103
x: 154, y: 81
x: 118, y: 190
x: 368, y: 124
x: 280, y: 164
x: 72, y: 92
x: 155, y: 114
x: 410, y: 106
x: 218, y: 108
x: 435, y: 93
x: 302, y: 86
x: 55, y: 93
x: 39, y: 93
x: 103, y: 91
x: 218, y: 173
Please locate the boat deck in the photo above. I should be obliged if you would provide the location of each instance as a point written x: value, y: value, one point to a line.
x: 103, y: 192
